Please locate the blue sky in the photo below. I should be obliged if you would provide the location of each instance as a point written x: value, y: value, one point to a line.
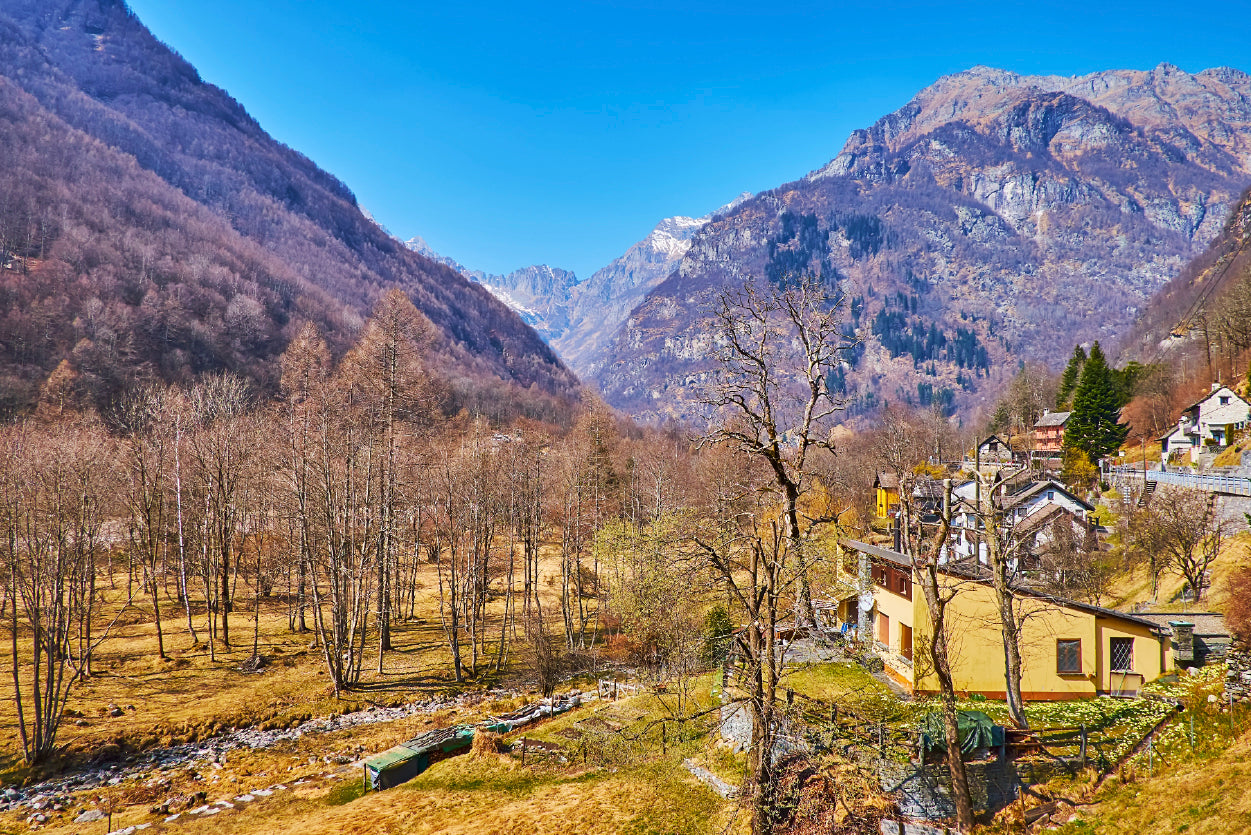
x: 509, y: 134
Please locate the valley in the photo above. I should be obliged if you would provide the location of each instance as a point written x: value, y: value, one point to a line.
x: 907, y: 494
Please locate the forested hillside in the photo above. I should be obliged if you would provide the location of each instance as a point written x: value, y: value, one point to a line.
x: 150, y: 228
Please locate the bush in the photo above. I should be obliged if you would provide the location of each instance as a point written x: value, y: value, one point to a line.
x: 718, y: 633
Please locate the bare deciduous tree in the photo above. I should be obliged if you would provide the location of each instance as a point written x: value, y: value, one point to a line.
x: 54, y: 497
x: 772, y: 409
x: 1181, y: 529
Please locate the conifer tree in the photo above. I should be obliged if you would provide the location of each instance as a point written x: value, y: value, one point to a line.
x: 1094, y: 427
x: 1068, y: 380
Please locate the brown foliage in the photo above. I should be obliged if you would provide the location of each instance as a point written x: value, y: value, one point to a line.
x: 1238, y: 602
x: 150, y: 228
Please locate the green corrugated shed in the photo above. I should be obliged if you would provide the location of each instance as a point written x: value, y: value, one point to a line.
x: 404, y: 762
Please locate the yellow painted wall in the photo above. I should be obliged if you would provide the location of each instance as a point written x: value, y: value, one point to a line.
x: 977, y: 644
x: 898, y: 608
x: 977, y: 651
x: 1147, y: 660
x: 886, y: 499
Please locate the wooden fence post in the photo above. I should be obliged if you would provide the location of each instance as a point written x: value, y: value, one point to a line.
x: 523, y: 750
x: 1082, y: 750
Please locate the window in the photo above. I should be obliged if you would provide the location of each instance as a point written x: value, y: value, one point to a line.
x: 1068, y: 656
x: 903, y: 584
x: 1224, y: 399
x: 1051, y: 495
x: 883, y: 628
x: 1122, y: 655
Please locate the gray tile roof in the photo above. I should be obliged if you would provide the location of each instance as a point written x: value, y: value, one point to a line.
x: 1052, y: 419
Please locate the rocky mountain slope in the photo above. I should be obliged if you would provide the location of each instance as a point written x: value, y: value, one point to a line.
x: 1208, y: 302
x: 149, y: 227
x: 995, y: 217
x: 578, y: 318
x: 539, y: 294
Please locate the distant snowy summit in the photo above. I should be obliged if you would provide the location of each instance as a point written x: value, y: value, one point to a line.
x: 578, y: 318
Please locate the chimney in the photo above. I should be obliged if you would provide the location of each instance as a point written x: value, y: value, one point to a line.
x: 1183, y: 641
x: 1216, y: 386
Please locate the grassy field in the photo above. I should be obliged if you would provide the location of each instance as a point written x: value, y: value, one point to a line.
x: 636, y: 786
x: 632, y: 786
x: 189, y: 696
x: 1135, y: 587
x: 1194, y: 780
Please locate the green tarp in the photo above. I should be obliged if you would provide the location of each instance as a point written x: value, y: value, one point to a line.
x: 977, y: 730
x: 404, y: 762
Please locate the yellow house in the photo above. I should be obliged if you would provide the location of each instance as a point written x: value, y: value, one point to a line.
x: 1069, y: 650
x: 886, y: 486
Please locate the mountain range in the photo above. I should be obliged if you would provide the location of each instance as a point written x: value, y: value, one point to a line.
x: 578, y: 318
x: 151, y: 229
x: 994, y: 218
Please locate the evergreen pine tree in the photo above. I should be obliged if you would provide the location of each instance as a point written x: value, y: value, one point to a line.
x: 1068, y: 380
x: 1094, y: 427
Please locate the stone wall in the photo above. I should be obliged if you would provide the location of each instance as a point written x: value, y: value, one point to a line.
x: 1238, y: 676
x: 924, y: 792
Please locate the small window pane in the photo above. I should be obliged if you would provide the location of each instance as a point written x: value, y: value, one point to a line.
x: 1069, y: 656
x: 1123, y: 654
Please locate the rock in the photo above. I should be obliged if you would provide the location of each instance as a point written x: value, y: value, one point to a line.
x: 254, y: 664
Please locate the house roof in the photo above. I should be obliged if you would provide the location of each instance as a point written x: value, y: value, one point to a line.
x: 1043, y: 517
x: 1210, y: 394
x: 1172, y: 430
x: 880, y: 553
x: 1015, y: 479
x: 1207, y: 624
x: 928, y: 488
x: 887, y: 481
x: 979, y: 573
x: 1034, y: 489
x: 990, y: 438
x: 1052, y: 419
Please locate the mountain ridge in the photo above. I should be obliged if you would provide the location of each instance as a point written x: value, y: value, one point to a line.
x: 282, y: 241
x: 992, y: 217
x: 576, y: 317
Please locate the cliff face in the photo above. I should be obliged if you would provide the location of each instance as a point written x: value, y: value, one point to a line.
x: 993, y: 218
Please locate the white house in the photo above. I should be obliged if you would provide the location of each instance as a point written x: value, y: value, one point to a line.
x: 1038, y: 497
x: 1208, y: 423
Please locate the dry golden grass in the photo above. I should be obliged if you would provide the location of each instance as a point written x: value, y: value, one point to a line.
x: 1201, y: 798
x: 486, y: 792
x: 190, y: 697
x: 1136, y: 586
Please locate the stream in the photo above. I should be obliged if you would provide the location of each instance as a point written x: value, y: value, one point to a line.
x: 55, y: 793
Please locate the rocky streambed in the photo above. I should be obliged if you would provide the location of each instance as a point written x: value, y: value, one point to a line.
x: 56, y: 794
